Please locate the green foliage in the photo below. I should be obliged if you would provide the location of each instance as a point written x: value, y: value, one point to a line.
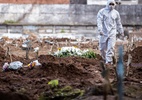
x: 62, y: 31
x: 53, y: 83
x: 67, y: 54
x: 9, y: 22
x: 65, y: 93
x: 66, y: 89
x: 89, y: 54
x: 80, y: 92
x: 42, y: 97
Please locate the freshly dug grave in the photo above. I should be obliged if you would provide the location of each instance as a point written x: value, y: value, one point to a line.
x: 31, y: 83
x: 137, y: 55
x: 5, y: 57
x: 81, y: 73
x: 136, y: 64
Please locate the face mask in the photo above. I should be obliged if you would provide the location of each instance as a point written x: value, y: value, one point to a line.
x: 111, y: 7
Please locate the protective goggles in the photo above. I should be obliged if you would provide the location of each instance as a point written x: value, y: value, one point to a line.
x: 112, y: 4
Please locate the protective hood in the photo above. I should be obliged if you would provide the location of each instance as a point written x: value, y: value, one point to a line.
x: 110, y: 1
x: 110, y: 7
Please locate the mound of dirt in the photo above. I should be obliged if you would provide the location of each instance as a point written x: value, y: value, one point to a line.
x: 136, y: 64
x: 5, y: 57
x: 71, y: 71
x: 13, y: 96
x: 71, y: 68
x: 137, y: 55
x: 82, y: 73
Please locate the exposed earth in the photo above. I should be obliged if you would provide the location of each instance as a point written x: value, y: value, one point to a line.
x: 74, y: 72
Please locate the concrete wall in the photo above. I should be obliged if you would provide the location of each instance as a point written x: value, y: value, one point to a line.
x: 16, y: 31
x: 60, y: 18
x: 64, y: 14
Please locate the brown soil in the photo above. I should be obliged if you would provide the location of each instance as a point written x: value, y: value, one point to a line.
x: 81, y: 73
x: 137, y: 55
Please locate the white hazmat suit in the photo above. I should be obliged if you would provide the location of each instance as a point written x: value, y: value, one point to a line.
x: 108, y: 23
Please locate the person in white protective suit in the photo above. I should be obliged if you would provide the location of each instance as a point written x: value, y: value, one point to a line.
x: 108, y: 23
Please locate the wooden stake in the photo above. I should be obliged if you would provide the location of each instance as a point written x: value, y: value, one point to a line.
x: 8, y: 54
x: 57, y: 45
x: 66, y: 42
x: 27, y: 53
x: 51, y: 49
x: 128, y: 64
x: 107, y: 84
x: 37, y: 55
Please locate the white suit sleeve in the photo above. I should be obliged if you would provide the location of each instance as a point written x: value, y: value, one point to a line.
x: 100, y: 21
x: 119, y: 25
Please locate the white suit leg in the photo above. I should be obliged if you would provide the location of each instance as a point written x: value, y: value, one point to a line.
x: 110, y: 49
x: 103, y: 48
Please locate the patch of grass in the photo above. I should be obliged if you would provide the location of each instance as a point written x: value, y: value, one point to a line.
x: 89, y: 54
x: 53, y: 83
x: 9, y: 22
x: 65, y: 93
x: 62, y: 31
x: 42, y: 97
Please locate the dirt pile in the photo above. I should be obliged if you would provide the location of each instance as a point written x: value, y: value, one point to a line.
x: 71, y: 71
x: 137, y: 55
x: 135, y: 72
x: 82, y: 73
x: 5, y: 57
x: 71, y: 68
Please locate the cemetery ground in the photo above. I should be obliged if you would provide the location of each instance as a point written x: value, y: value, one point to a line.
x: 65, y: 78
